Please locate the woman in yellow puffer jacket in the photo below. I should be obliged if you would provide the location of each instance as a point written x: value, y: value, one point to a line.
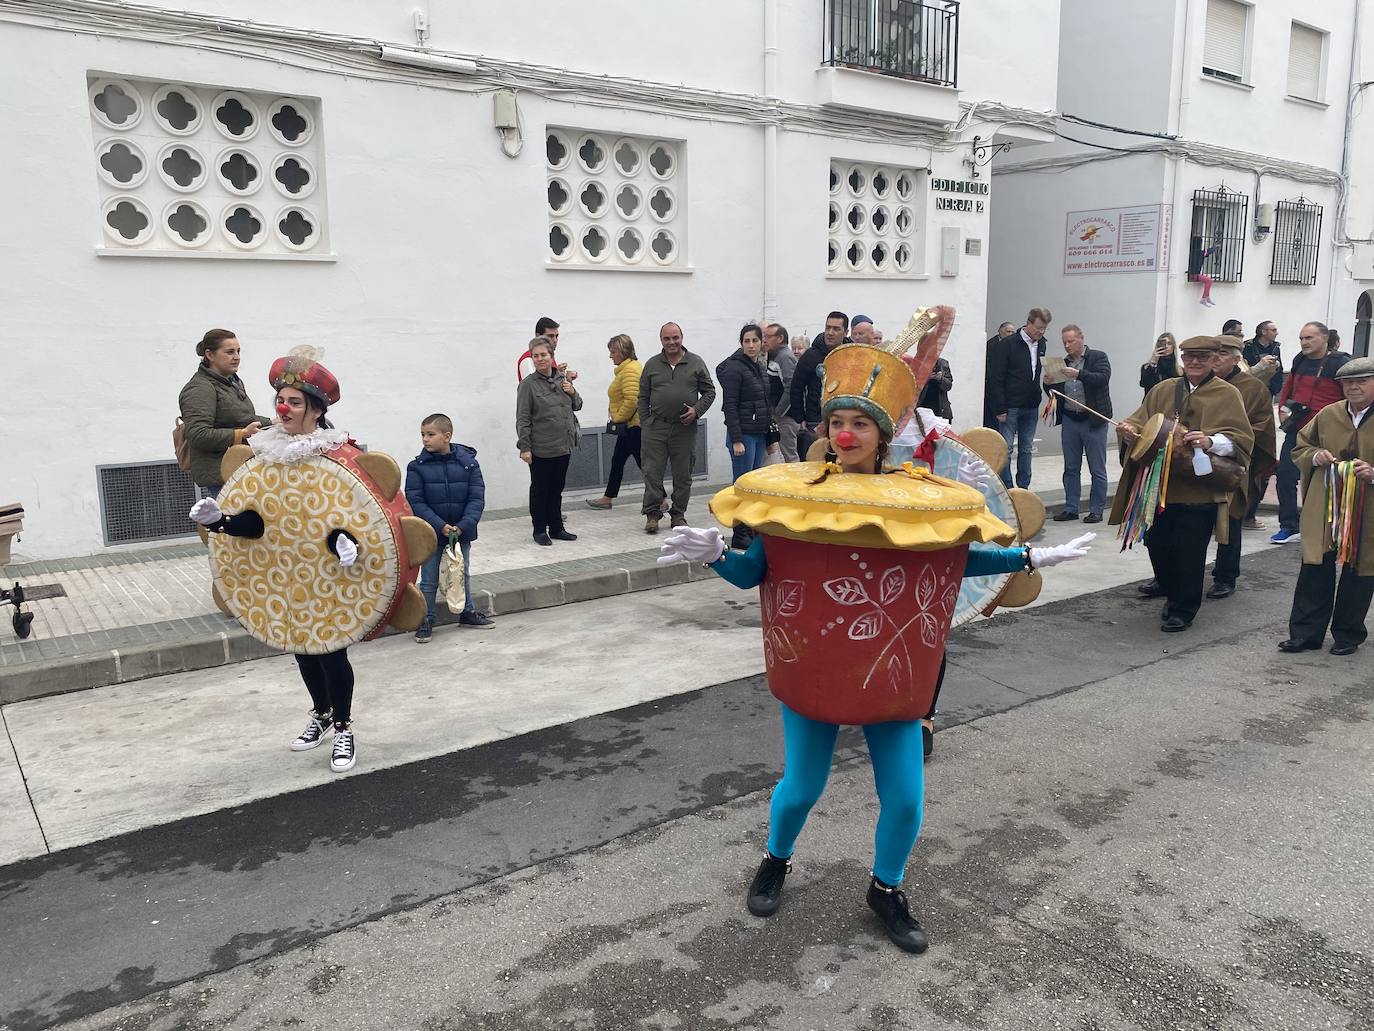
x: 622, y: 415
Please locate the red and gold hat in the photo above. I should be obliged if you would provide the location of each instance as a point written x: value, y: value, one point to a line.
x: 302, y: 369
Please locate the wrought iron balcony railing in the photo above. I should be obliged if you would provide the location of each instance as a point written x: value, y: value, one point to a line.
x: 911, y: 39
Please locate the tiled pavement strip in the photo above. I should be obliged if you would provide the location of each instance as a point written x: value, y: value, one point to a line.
x: 136, y: 613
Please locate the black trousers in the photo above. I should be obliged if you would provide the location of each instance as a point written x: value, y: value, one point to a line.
x: 1318, y: 600
x: 1177, y: 543
x: 547, y: 477
x: 329, y: 679
x: 1227, y: 566
x: 626, y: 447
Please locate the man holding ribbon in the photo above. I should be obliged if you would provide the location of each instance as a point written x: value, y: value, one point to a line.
x: 1334, y: 453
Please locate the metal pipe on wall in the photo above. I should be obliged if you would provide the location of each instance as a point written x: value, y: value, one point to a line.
x: 770, y: 164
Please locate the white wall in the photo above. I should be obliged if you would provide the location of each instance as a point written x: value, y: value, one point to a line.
x: 440, y: 269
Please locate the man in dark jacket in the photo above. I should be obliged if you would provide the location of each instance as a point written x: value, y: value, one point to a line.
x: 805, y: 404
x: 1089, y: 377
x: 1006, y: 329
x: 445, y: 488
x: 1310, y: 387
x: 675, y: 391
x: 1264, y: 355
x: 1014, y: 390
x: 782, y: 366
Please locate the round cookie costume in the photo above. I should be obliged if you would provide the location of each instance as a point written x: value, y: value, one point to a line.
x: 313, y: 547
x: 859, y: 574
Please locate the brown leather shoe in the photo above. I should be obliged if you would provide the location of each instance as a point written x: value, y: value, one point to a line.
x: 651, y: 524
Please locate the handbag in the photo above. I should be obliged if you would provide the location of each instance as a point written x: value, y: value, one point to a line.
x: 451, y: 587
x: 181, y: 447
x: 773, y: 436
x: 615, y: 427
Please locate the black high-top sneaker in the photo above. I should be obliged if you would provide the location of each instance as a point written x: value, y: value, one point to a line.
x: 890, y: 905
x: 320, y: 724
x: 765, y: 891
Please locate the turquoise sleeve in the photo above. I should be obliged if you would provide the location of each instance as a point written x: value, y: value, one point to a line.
x: 744, y: 569
x: 987, y: 560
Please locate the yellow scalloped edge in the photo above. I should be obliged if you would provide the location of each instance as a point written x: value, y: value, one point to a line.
x: 864, y: 521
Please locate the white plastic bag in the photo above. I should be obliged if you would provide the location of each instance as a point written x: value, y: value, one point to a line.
x: 451, y: 576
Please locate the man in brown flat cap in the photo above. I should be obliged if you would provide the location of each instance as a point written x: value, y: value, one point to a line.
x: 1212, y: 414
x: 1259, y: 409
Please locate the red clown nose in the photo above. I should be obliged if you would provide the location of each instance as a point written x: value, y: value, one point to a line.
x: 844, y: 438
x: 283, y: 409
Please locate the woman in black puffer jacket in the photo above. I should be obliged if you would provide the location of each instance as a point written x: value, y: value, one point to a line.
x: 744, y: 399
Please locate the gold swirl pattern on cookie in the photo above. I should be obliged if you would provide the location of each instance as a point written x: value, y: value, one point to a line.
x: 288, y: 588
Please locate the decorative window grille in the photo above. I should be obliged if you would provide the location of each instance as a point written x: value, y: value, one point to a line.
x: 1297, y: 242
x: 1223, y: 49
x: 1305, y: 48
x: 196, y: 171
x: 145, y: 501
x: 614, y: 202
x: 1217, y: 244
x: 876, y: 227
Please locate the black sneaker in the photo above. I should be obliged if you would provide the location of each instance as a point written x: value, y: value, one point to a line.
x: 927, y: 739
x: 765, y: 891
x: 563, y: 535
x: 343, y: 756
x: 313, y: 734
x: 542, y: 539
x: 890, y: 905
x: 426, y: 631
x: 477, y: 620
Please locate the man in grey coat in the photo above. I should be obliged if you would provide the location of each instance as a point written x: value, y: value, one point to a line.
x: 782, y: 364
x: 675, y: 391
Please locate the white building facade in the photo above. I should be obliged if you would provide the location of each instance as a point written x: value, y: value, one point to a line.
x: 1236, y: 163
x: 412, y: 188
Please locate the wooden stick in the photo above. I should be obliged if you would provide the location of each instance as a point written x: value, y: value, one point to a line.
x: 1104, y: 418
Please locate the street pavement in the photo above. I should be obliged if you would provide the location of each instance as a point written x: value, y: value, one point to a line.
x: 1123, y: 829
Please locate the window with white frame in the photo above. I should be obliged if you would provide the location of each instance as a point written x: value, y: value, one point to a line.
x: 197, y: 170
x: 614, y: 201
x: 1306, y: 48
x: 875, y: 225
x: 1225, y: 48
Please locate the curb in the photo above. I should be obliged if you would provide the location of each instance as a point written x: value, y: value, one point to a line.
x: 123, y: 665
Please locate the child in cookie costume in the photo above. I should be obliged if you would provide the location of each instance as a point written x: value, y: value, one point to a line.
x: 313, y: 546
x: 859, y: 568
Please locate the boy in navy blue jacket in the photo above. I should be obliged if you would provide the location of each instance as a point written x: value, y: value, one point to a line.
x: 444, y: 487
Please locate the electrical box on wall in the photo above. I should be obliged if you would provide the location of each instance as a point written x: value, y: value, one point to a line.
x: 950, y: 245
x: 505, y: 109
x: 973, y: 247
x: 1264, y: 219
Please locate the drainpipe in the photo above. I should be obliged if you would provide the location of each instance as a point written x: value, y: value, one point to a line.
x: 1179, y: 130
x: 1339, y: 239
x: 770, y: 163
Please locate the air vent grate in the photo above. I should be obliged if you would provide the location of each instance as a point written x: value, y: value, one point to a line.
x: 145, y: 501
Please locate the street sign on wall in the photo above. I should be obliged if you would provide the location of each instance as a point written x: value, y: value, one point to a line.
x: 1117, y: 240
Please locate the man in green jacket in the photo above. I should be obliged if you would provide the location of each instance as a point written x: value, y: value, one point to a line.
x: 675, y: 390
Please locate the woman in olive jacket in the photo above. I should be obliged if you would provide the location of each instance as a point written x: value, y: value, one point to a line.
x: 215, y: 408
x: 547, y: 432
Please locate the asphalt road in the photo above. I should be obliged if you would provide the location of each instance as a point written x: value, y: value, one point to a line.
x: 1123, y: 829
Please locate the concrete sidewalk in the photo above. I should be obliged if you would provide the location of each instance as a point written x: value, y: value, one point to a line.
x: 129, y: 614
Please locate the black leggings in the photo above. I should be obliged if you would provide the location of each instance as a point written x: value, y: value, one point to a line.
x: 626, y: 447
x: 329, y: 679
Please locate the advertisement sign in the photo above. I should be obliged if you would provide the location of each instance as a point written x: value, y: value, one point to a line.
x: 1118, y: 240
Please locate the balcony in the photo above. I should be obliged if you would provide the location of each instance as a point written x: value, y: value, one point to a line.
x: 908, y: 39
x: 893, y: 57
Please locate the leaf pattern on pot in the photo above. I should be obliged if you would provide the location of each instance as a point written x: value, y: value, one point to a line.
x: 782, y: 648
x: 930, y: 629
x: 766, y: 591
x: 866, y: 627
x: 895, y: 677
x: 791, y: 595
x: 926, y: 585
x: 847, y: 590
x: 892, y: 585
x: 767, y: 654
x: 951, y: 599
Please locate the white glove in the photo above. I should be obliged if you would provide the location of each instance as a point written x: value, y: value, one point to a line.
x: 931, y: 421
x: 1043, y: 558
x: 346, y: 550
x: 687, y: 544
x: 976, y: 474
x: 206, y: 512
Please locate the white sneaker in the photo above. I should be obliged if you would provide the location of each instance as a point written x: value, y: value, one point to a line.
x: 344, y: 756
x: 314, y: 732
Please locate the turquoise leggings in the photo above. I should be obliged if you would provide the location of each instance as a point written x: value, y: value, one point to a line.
x: 895, y: 749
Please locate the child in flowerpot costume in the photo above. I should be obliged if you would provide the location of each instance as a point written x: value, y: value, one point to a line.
x: 313, y: 546
x: 859, y: 568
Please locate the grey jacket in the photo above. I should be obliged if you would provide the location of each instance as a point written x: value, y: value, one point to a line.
x: 782, y: 365
x: 213, y: 409
x: 544, y: 421
x: 665, y: 389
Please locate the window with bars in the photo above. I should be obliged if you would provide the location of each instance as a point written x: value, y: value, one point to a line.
x: 1224, y: 54
x: 1297, y: 241
x: 1217, y: 242
x: 1306, y: 46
